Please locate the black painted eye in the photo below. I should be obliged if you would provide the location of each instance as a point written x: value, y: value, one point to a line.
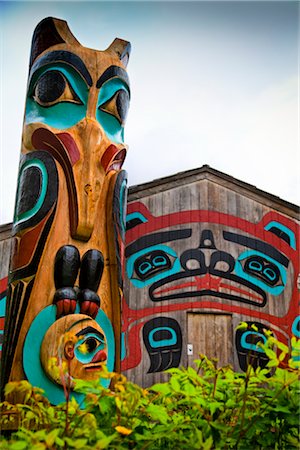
x: 151, y: 263
x: 52, y: 87
x: 91, y: 344
x: 117, y: 106
x: 263, y: 269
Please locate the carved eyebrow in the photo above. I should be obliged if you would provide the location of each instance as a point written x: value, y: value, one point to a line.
x: 62, y: 56
x: 90, y: 330
x: 113, y: 72
x: 256, y: 244
x: 157, y: 238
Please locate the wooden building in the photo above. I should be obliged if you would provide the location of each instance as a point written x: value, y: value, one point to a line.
x: 204, y: 252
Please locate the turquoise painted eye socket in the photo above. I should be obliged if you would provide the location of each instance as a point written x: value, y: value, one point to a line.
x: 57, y: 96
x: 262, y: 271
x: 113, y: 104
x: 87, y: 347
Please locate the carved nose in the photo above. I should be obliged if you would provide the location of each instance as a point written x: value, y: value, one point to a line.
x: 100, y: 356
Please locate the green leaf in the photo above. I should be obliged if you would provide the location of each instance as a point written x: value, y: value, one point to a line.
x: 50, y: 439
x: 20, y: 445
x: 158, y: 413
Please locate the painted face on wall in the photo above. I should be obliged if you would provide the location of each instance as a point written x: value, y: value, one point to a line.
x: 76, y: 107
x: 204, y: 259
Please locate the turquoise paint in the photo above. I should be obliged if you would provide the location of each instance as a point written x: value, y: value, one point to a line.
x: 163, y: 342
x: 31, y: 212
x: 111, y: 126
x: 130, y: 266
x: 295, y: 330
x: 122, y: 212
x: 86, y: 358
x: 285, y: 229
x: 63, y: 114
x: 31, y: 354
x: 276, y: 290
x: 2, y: 306
x: 123, y: 348
x: 136, y: 215
x: 250, y: 346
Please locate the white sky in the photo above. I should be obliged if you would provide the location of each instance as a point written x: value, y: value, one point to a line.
x: 212, y: 83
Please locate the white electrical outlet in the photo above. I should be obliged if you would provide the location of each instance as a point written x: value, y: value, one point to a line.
x: 190, y: 349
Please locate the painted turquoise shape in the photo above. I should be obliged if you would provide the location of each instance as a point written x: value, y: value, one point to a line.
x: 63, y: 114
x: 295, y: 330
x: 123, y: 347
x: 86, y: 358
x: 31, y: 354
x: 32, y: 212
x: 139, y: 283
x: 136, y: 215
x: 285, y: 229
x: 163, y: 342
x: 2, y: 306
x: 112, y: 127
x: 248, y: 345
x: 273, y: 290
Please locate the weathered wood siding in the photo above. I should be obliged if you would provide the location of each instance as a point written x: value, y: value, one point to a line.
x: 205, y: 252
x: 5, y: 241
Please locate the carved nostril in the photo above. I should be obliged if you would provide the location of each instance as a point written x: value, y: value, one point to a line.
x: 88, y: 189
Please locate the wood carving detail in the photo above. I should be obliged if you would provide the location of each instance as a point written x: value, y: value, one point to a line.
x: 65, y: 273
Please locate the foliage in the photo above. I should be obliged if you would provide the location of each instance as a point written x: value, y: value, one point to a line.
x: 207, y: 408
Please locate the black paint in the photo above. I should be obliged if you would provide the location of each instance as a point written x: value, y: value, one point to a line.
x: 113, y: 72
x: 62, y: 56
x: 165, y: 356
x: 157, y: 238
x: 29, y: 189
x: 66, y: 266
x: 257, y: 245
x: 45, y: 35
x: 92, y: 266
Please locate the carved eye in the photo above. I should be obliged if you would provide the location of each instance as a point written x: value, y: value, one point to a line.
x: 52, y: 87
x: 117, y: 106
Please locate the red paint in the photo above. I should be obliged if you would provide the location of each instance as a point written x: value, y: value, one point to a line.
x: 100, y: 357
x: 133, y: 320
x: 70, y: 146
x: 113, y: 158
x: 3, y: 284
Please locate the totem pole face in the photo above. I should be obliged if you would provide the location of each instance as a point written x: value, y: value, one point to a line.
x: 68, y: 227
x: 76, y: 107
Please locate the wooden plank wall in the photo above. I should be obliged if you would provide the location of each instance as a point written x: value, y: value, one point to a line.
x: 205, y: 246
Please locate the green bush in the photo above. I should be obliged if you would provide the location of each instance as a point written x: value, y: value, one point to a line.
x: 207, y: 408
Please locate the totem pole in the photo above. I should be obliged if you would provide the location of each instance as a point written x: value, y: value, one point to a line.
x: 65, y: 279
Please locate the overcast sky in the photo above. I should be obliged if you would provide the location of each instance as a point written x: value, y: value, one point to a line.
x: 212, y: 83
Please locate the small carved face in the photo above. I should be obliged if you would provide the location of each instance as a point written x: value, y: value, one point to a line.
x: 74, y: 346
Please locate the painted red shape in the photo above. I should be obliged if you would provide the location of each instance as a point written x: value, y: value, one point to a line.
x: 3, y: 284
x: 100, y: 356
x: 71, y: 147
x: 113, y: 158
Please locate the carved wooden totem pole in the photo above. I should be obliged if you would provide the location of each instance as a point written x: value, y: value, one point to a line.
x: 65, y: 280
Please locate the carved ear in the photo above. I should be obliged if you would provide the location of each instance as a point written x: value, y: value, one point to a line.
x: 49, y: 32
x: 122, y: 49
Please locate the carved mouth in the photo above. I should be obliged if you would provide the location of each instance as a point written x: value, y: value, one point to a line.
x: 184, y: 285
x: 93, y: 367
